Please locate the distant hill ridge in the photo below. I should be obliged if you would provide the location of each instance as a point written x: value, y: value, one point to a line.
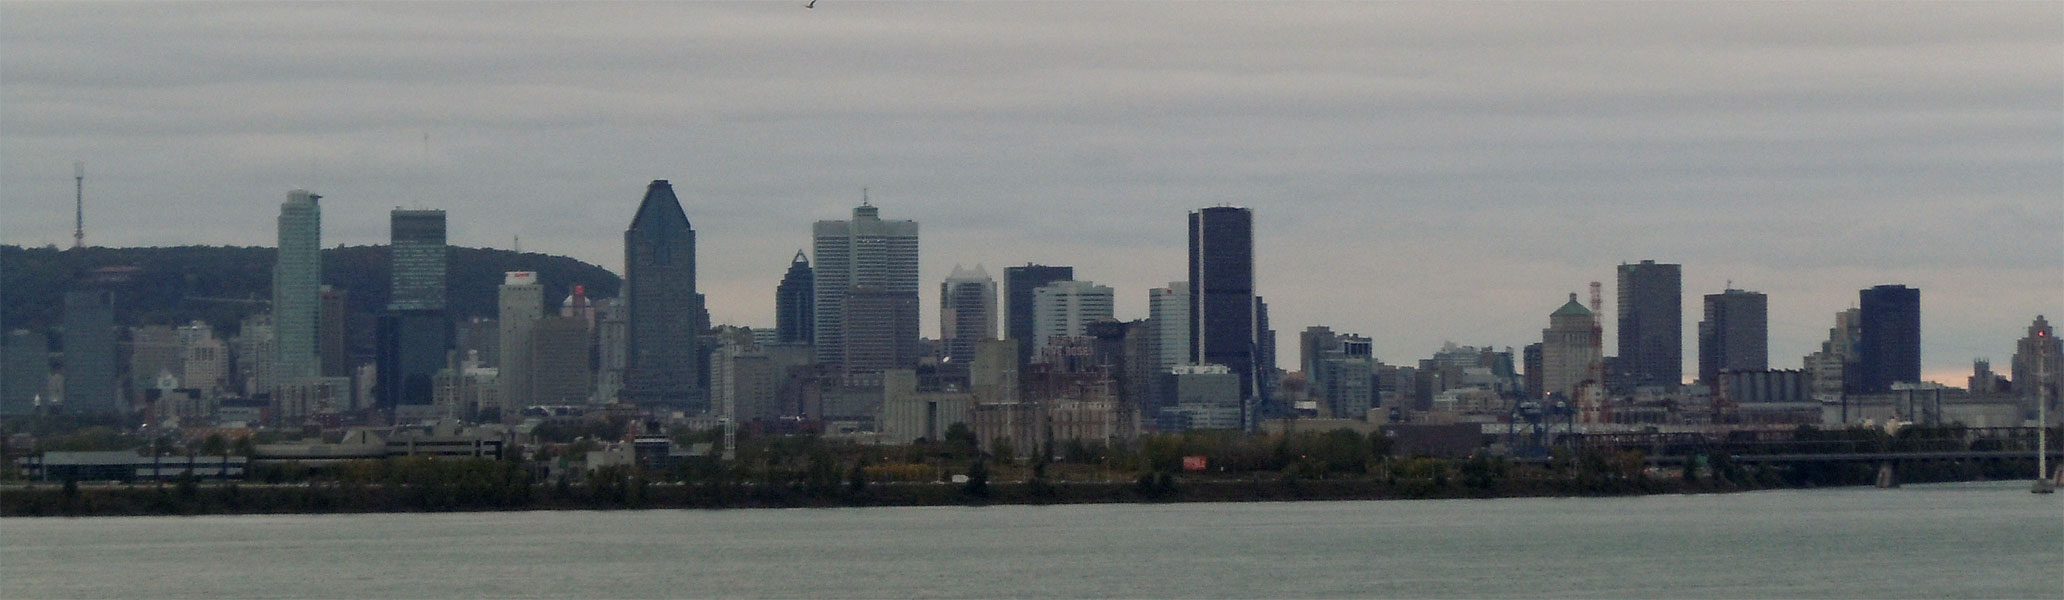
x: 166, y: 285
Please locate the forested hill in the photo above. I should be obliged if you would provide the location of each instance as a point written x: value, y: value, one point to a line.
x: 216, y: 283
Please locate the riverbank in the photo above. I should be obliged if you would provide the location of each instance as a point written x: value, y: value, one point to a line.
x: 321, y: 497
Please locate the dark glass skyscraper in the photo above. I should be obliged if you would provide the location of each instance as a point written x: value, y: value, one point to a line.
x: 1734, y: 336
x: 1018, y: 283
x: 413, y: 337
x: 1889, y: 350
x: 1651, y: 324
x: 795, y: 303
x: 418, y: 260
x: 1224, y: 329
x: 664, y: 314
x: 89, y: 354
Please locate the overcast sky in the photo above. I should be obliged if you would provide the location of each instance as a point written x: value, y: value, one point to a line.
x: 1420, y: 172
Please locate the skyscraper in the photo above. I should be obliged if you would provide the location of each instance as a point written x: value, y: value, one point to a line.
x: 1224, y: 329
x: 1569, y: 350
x: 1064, y: 309
x: 967, y: 312
x: 1734, y: 336
x: 793, y: 304
x: 1018, y: 283
x: 2032, y: 378
x: 1889, y: 347
x: 866, y: 286
x: 414, y: 337
x: 664, y: 315
x: 89, y: 354
x: 1652, y: 324
x: 521, y: 301
x: 419, y: 260
x: 1168, y: 312
x: 297, y: 287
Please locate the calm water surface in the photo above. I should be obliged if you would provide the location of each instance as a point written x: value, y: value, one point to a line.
x: 1991, y: 540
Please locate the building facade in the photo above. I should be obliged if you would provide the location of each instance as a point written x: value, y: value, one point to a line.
x: 794, y: 304
x: 1018, y: 283
x: 1570, y: 352
x: 866, y: 286
x: 665, y: 316
x: 1735, y: 334
x: 1064, y: 309
x: 521, y: 304
x: 419, y: 260
x: 1224, y: 327
x: 297, y: 287
x: 967, y: 312
x: 90, y: 387
x: 1889, y: 341
x: 1651, y: 334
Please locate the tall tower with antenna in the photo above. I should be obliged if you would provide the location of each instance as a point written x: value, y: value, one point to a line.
x: 79, y: 204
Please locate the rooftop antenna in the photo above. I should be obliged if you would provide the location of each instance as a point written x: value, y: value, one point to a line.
x: 863, y: 196
x: 79, y: 204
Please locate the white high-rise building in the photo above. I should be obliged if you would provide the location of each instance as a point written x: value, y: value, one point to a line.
x: 1168, y: 310
x: 522, y: 304
x: 1570, y: 350
x: 865, y: 282
x: 297, y: 288
x: 1065, y: 309
x: 967, y: 312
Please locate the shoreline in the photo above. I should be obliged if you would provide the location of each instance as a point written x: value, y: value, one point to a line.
x: 287, y: 499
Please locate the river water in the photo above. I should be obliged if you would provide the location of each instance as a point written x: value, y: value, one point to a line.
x: 1989, y: 540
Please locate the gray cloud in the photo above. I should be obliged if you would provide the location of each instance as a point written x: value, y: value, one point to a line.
x: 1420, y: 172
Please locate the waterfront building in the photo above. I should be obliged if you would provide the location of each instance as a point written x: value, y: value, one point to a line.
x: 1734, y: 336
x: 1018, y: 283
x: 522, y: 304
x: 1064, y: 309
x: 866, y: 286
x: 794, y: 306
x: 297, y: 287
x: 1570, y: 352
x: 967, y: 312
x: 1224, y: 326
x: 1651, y: 334
x: 665, y: 316
x: 1889, y: 340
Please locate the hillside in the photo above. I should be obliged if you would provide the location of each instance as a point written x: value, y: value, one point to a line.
x: 176, y: 285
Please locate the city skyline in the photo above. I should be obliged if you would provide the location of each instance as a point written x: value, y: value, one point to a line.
x: 1913, y: 145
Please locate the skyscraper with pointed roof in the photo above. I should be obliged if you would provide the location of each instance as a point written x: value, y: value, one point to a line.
x: 794, y: 306
x: 664, y: 315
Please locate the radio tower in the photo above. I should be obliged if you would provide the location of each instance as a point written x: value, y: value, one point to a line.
x: 79, y: 204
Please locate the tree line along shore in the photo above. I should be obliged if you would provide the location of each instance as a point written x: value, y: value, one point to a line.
x: 808, y: 471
